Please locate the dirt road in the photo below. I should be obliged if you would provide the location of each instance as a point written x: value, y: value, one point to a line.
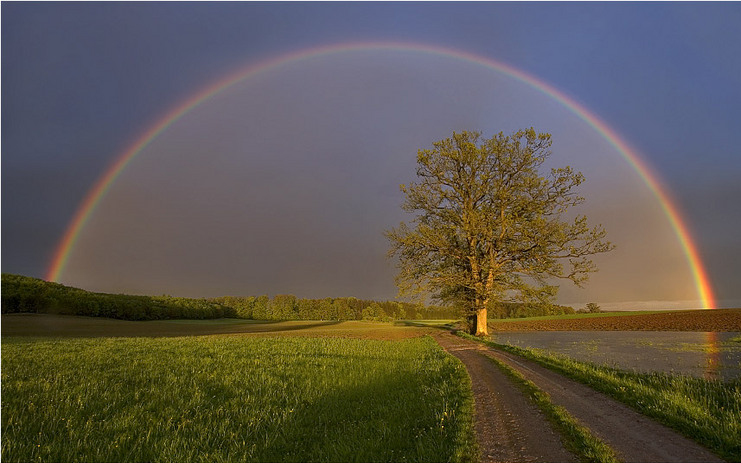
x: 511, y: 429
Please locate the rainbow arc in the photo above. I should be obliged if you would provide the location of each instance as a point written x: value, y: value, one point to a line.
x: 89, y: 204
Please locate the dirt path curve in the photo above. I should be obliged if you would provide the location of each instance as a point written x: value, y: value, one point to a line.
x: 634, y: 437
x: 509, y: 428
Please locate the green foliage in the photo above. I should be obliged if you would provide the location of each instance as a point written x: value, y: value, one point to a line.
x: 489, y: 227
x: 31, y: 295
x: 524, y: 310
x: 288, y: 307
x: 25, y: 294
x: 591, y: 307
x: 220, y: 399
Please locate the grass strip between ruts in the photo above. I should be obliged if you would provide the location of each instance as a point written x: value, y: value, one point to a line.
x: 575, y: 437
x: 706, y: 411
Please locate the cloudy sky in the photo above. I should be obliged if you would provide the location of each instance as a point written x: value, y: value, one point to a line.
x: 284, y: 181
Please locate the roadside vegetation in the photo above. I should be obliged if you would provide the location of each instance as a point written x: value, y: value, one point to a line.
x: 708, y: 411
x: 223, y: 398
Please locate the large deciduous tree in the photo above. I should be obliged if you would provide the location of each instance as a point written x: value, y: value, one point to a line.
x: 489, y: 227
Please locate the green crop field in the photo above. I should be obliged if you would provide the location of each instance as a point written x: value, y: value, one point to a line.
x: 574, y: 316
x: 233, y: 398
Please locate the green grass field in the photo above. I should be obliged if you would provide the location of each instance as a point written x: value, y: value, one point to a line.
x: 233, y: 398
x: 624, y: 313
x: 46, y: 325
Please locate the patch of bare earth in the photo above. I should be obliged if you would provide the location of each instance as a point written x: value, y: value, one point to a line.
x: 689, y: 320
x: 634, y: 437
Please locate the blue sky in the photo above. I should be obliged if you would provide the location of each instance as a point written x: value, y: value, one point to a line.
x: 81, y: 81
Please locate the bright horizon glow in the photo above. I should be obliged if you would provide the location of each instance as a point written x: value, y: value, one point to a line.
x: 102, y: 185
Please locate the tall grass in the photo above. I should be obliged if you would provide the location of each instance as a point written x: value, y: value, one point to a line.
x: 221, y: 399
x: 708, y: 411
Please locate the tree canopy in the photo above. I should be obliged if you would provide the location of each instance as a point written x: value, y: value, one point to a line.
x: 489, y: 227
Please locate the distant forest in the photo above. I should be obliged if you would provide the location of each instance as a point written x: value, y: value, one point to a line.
x: 21, y: 294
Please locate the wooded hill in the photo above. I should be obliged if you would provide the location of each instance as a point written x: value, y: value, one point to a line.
x: 22, y: 294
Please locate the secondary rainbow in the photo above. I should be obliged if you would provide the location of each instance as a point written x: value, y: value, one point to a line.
x: 103, y: 184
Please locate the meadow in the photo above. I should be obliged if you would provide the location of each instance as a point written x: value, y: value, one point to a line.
x: 233, y: 398
x: 96, y: 389
x: 31, y: 324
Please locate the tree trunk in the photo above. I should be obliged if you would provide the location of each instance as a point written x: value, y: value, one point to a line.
x: 471, y: 324
x: 481, y: 323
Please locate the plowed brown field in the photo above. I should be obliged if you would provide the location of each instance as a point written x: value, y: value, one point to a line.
x: 690, y: 320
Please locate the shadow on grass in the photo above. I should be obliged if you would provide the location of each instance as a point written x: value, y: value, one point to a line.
x: 451, y: 326
x: 380, y: 420
x: 303, y: 326
x: 47, y: 325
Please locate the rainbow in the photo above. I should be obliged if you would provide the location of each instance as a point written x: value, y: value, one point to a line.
x: 103, y: 184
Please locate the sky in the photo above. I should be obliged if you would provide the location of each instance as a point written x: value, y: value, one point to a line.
x: 284, y: 182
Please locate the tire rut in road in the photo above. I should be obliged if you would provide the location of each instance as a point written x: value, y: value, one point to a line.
x: 633, y: 436
x: 509, y: 427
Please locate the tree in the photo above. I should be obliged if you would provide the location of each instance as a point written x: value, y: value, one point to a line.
x: 592, y: 307
x: 284, y: 307
x: 488, y: 228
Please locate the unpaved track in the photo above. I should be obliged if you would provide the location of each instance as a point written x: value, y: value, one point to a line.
x: 509, y: 427
x: 634, y: 437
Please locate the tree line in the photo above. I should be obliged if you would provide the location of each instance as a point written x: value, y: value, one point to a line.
x: 290, y: 307
x: 21, y: 294
x: 32, y: 295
